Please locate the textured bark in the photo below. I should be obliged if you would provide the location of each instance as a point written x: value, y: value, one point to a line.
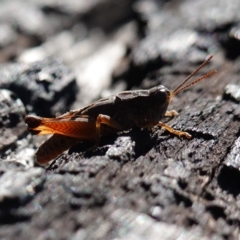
x: 141, y: 183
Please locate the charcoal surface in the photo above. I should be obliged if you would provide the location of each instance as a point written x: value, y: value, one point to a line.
x: 11, y: 117
x: 140, y: 183
x: 46, y: 87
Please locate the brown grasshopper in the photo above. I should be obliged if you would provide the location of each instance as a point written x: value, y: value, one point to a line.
x: 141, y: 108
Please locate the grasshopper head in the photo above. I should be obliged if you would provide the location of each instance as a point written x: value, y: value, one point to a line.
x: 160, y: 98
x: 161, y: 93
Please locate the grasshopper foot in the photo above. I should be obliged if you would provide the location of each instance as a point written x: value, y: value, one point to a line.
x: 175, y: 132
x: 171, y: 113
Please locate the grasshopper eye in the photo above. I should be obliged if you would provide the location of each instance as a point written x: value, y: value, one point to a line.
x: 160, y: 93
x: 158, y: 89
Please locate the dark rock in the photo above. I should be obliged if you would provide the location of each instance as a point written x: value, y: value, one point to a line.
x: 170, y: 48
x: 32, y: 23
x: 138, y: 184
x: 45, y: 87
x: 141, y: 226
x: 232, y: 91
x: 17, y: 189
x: 12, y: 112
x: 233, y: 157
x: 7, y: 35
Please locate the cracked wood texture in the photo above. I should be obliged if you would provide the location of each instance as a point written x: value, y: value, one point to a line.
x: 141, y: 183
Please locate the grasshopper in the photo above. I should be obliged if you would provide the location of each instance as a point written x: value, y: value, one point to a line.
x: 141, y: 108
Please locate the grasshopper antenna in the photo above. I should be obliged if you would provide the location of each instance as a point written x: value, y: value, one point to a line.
x: 181, y: 87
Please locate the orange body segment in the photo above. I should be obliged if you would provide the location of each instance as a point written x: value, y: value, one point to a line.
x: 54, y: 146
x: 81, y: 128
